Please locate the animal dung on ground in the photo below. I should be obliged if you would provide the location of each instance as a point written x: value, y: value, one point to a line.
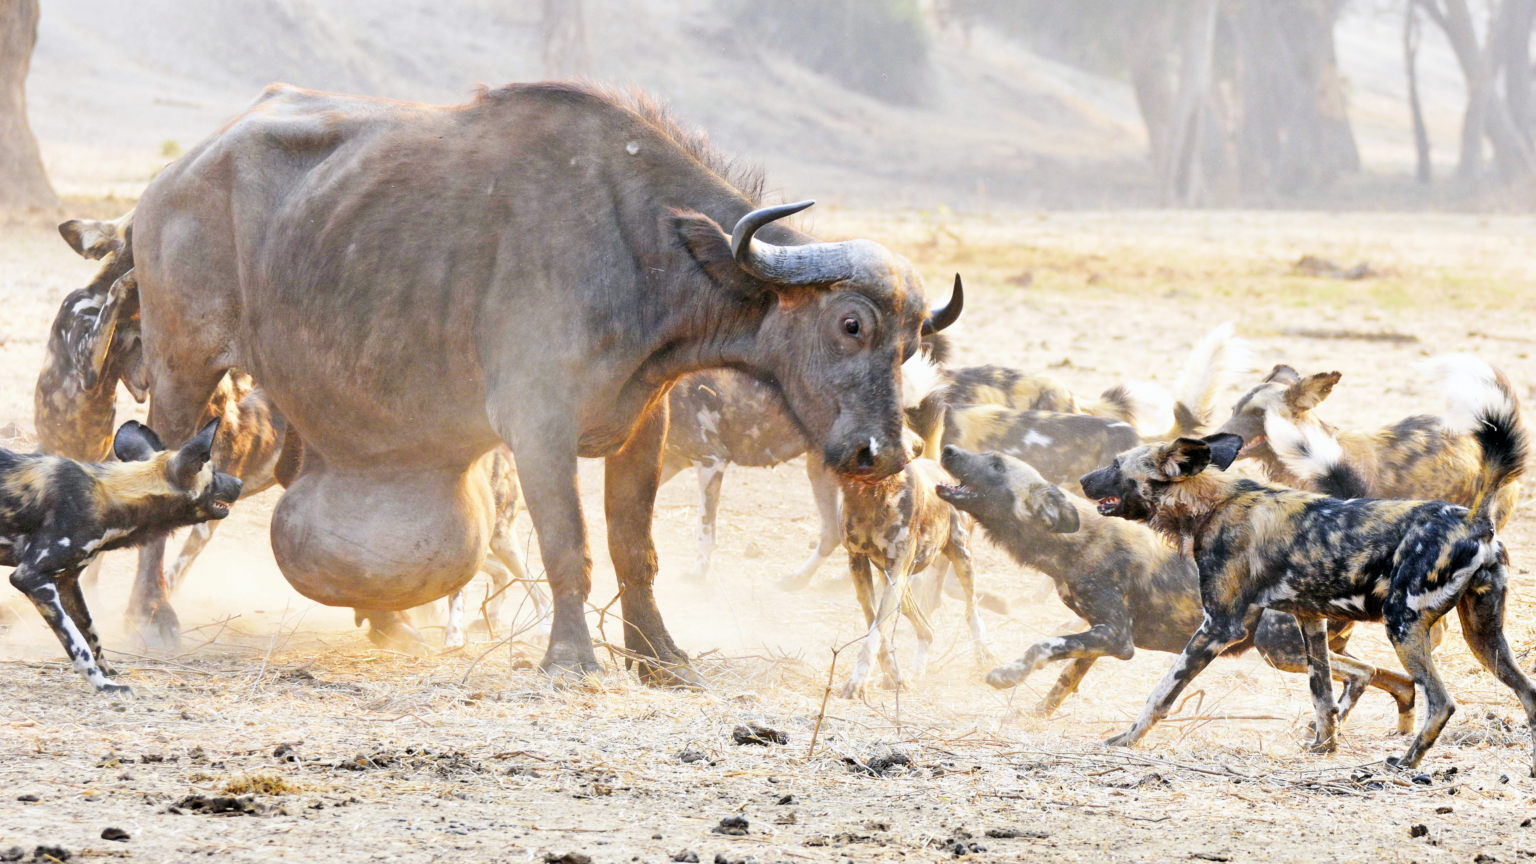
x: 731, y: 826
x: 50, y: 853
x: 117, y: 834
x: 15, y: 853
x: 687, y: 856
x: 1418, y: 831
x: 1015, y: 834
x: 757, y: 733
x: 693, y: 754
x: 241, y: 805
x: 567, y: 858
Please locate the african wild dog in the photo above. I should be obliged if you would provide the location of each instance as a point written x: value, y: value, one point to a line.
x: 1423, y: 457
x: 1258, y: 546
x: 56, y: 514
x: 900, y: 527
x: 1132, y: 587
x: 721, y: 417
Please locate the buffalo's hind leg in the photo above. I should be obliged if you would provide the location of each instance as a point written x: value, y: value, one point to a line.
x: 629, y: 497
x: 1482, y: 622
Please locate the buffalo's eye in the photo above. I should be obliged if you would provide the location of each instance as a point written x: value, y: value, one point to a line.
x: 851, y: 326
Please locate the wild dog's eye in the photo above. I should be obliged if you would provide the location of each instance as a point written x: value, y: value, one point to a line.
x: 851, y: 326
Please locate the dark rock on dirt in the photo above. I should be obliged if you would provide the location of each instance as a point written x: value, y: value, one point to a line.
x: 567, y: 858
x: 882, y: 762
x: 28, y: 798
x: 1015, y: 834
x: 15, y: 853
x: 1211, y: 856
x: 1418, y: 831
x: 50, y: 853
x: 960, y: 848
x: 285, y: 753
x: 732, y: 826
x: 117, y: 834
x: 687, y: 856
x: 757, y: 733
x: 691, y: 754
x: 786, y: 799
x: 243, y: 805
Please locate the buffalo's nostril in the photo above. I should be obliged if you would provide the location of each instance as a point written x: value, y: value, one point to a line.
x: 864, y: 459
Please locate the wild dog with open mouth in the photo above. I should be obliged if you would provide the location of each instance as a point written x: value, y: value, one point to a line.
x: 1132, y: 587
x: 1258, y: 546
x: 56, y: 514
x: 900, y: 527
x: 1423, y: 457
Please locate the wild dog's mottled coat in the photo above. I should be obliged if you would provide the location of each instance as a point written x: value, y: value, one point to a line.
x: 1258, y: 546
x: 1133, y: 588
x: 56, y: 514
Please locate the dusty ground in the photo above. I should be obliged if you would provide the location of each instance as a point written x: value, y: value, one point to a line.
x: 467, y: 757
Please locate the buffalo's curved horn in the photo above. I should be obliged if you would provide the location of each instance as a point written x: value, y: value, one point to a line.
x: 946, y: 315
x: 810, y: 264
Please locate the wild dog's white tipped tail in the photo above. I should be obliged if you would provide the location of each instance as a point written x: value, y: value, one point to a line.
x: 1308, y: 450
x: 1146, y: 406
x: 1215, y: 359
x: 1474, y: 389
x: 920, y: 378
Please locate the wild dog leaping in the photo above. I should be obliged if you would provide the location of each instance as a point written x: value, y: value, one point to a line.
x: 1258, y: 546
x: 56, y: 514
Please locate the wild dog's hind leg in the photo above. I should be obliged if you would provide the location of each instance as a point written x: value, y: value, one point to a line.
x: 392, y: 631
x: 861, y: 574
x: 829, y: 520
x: 1314, y: 632
x: 1409, y: 635
x: 711, y: 475
x: 1279, y: 640
x: 1482, y: 622
x: 1110, y: 636
x: 43, y: 590
x: 453, y: 632
x: 629, y: 498
x: 1065, y: 686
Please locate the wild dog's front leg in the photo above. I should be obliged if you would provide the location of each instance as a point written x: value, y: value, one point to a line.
x: 1106, y: 639
x: 1211, y: 639
x: 1314, y: 632
x: 74, y: 606
x: 861, y: 575
x: 711, y: 475
x: 43, y: 590
x: 1065, y: 685
x: 958, y: 553
x: 197, y: 539
x: 629, y: 496
x: 453, y: 633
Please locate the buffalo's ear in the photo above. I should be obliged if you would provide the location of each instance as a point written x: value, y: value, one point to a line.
x: 710, y: 247
x: 1057, y: 511
x: 1305, y: 394
x: 1282, y: 374
x: 1184, y: 457
x: 1224, y: 448
x: 194, y: 454
x: 135, y: 442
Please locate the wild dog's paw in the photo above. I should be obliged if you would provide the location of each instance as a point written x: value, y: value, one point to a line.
x: 1124, y: 739
x: 115, y: 690
x: 1004, y: 677
x: 855, y: 689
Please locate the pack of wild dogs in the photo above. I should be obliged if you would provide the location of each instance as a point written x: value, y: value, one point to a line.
x: 1166, y: 549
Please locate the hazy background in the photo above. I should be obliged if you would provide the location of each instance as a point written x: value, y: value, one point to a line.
x: 970, y: 104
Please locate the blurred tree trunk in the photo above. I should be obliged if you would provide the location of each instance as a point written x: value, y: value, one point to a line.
x: 1512, y: 62
x: 564, y: 39
x: 1424, y: 163
x: 1152, y: 78
x: 1179, y: 175
x: 1486, y: 115
x: 23, y: 183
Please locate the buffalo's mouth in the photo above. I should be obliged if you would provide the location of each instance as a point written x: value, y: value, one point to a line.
x: 1109, y: 506
x: 1250, y: 444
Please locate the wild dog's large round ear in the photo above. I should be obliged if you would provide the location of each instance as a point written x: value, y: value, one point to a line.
x: 135, y: 442
x: 1282, y: 374
x: 1184, y: 457
x: 1224, y: 448
x: 1305, y: 394
x: 194, y: 454
x: 1057, y: 511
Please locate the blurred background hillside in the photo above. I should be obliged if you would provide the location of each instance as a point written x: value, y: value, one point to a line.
x: 978, y: 105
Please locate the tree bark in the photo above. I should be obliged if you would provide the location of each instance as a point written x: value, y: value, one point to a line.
x: 1425, y: 169
x: 1179, y: 176
x: 564, y: 39
x: 23, y: 182
x: 1485, y: 114
x: 1512, y: 57
x: 1152, y: 78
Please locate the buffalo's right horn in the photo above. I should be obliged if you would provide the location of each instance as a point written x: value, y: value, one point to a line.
x: 947, y: 314
x: 810, y: 264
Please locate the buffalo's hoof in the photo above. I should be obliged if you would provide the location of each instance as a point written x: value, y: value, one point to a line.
x: 1124, y: 739
x: 672, y: 675
x: 400, y: 642
x: 567, y: 664
x: 160, y: 630
x: 1317, y: 746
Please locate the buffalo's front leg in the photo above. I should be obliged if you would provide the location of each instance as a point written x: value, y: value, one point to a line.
x: 150, y: 614
x: 630, y: 480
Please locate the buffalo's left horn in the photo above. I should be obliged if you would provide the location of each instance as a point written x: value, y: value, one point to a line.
x: 946, y: 315
x: 810, y: 264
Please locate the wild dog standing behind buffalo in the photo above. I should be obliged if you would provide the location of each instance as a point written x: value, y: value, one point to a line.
x: 1423, y: 457
x: 898, y: 526
x: 56, y: 514
x: 1258, y: 546
x: 1132, y: 587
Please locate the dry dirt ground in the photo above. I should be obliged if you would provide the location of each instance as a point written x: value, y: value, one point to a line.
x: 350, y: 753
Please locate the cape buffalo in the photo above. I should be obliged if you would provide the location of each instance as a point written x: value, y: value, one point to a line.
x: 416, y: 284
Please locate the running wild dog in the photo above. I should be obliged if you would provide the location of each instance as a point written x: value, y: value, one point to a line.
x: 1406, y: 563
x: 1423, y: 457
x: 899, y: 526
x: 56, y: 514
x: 1132, y: 587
